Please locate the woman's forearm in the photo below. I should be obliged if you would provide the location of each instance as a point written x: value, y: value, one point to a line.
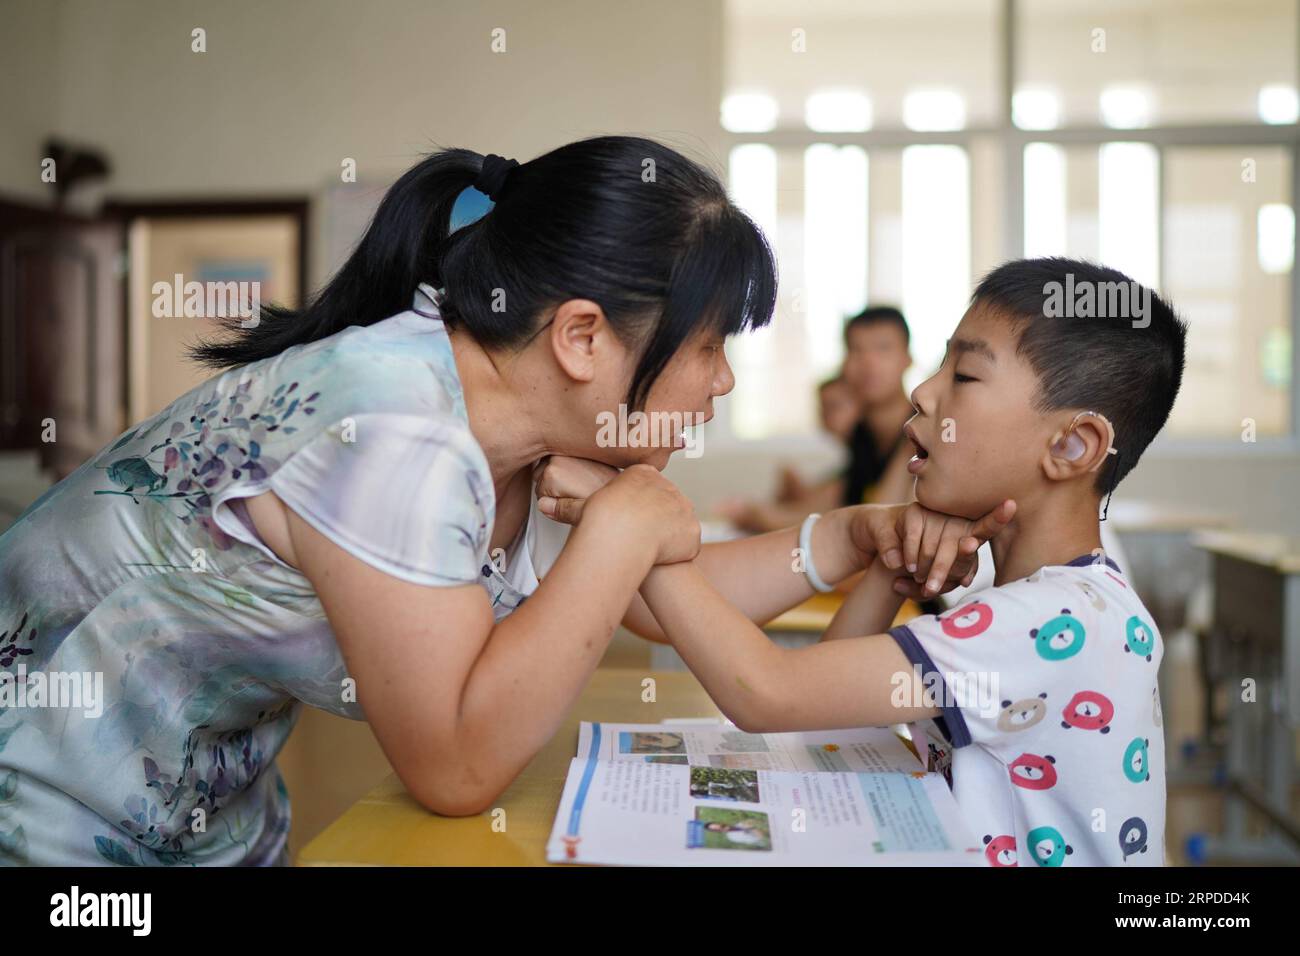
x: 537, y: 659
x: 760, y: 576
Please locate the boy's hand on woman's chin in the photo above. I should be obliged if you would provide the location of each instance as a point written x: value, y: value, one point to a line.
x: 932, y: 552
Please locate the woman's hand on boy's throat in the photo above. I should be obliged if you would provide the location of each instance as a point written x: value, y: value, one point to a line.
x: 934, y: 552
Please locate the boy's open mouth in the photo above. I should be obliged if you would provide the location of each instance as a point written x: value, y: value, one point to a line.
x: 918, y: 460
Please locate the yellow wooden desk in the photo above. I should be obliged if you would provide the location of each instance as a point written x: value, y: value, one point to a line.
x: 387, y: 827
x: 814, y: 615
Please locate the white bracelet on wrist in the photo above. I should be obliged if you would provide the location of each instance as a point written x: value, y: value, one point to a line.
x: 805, y: 549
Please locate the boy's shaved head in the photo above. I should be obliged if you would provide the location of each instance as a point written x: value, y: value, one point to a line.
x: 1097, y: 340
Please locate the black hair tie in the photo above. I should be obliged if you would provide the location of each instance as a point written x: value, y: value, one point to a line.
x: 492, y: 177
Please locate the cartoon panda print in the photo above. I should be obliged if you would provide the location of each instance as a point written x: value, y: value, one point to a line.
x: 1060, y: 638
x: 1137, y: 765
x: 1000, y: 850
x: 1088, y: 710
x: 969, y: 621
x: 1133, y: 837
x: 1032, y: 772
x: 1140, y: 639
x: 1048, y: 847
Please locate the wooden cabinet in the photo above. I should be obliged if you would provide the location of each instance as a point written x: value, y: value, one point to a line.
x: 62, y: 334
x: 81, y: 354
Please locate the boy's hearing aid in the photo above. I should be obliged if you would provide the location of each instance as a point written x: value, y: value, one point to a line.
x: 1071, y: 447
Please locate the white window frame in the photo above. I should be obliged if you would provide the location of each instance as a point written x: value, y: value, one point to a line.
x: 1012, y: 142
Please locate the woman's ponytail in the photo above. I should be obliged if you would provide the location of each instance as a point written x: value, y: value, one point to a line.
x: 625, y: 222
x: 401, y: 248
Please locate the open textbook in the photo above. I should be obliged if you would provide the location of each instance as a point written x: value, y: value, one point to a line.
x: 713, y: 743
x: 709, y: 794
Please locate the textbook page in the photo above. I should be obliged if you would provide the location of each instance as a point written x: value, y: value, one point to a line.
x: 724, y: 746
x: 643, y: 814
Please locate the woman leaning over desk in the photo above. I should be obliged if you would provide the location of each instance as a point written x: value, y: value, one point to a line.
x: 344, y: 517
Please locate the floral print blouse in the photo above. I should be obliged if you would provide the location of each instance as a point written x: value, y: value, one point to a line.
x: 154, y: 653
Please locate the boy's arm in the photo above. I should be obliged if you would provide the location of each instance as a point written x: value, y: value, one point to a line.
x: 870, y: 607
x: 761, y: 687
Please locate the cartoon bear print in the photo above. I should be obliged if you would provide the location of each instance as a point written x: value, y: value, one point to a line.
x: 1000, y: 850
x: 1033, y: 772
x: 1133, y: 837
x: 1060, y: 638
x: 1140, y: 640
x: 1088, y: 710
x: 969, y: 621
x: 1022, y: 714
x: 1137, y: 765
x: 1048, y: 847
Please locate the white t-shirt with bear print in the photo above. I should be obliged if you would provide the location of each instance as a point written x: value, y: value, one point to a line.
x: 1048, y: 693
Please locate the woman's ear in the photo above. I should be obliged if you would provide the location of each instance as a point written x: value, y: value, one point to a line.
x: 1077, y: 449
x: 578, y: 331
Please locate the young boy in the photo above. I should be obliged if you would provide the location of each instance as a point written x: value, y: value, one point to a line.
x: 1045, y: 684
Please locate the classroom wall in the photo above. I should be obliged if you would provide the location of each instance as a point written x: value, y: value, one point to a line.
x: 286, y: 91
x: 29, y: 75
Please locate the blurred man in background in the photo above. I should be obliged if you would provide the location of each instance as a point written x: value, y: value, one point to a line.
x: 864, y: 407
